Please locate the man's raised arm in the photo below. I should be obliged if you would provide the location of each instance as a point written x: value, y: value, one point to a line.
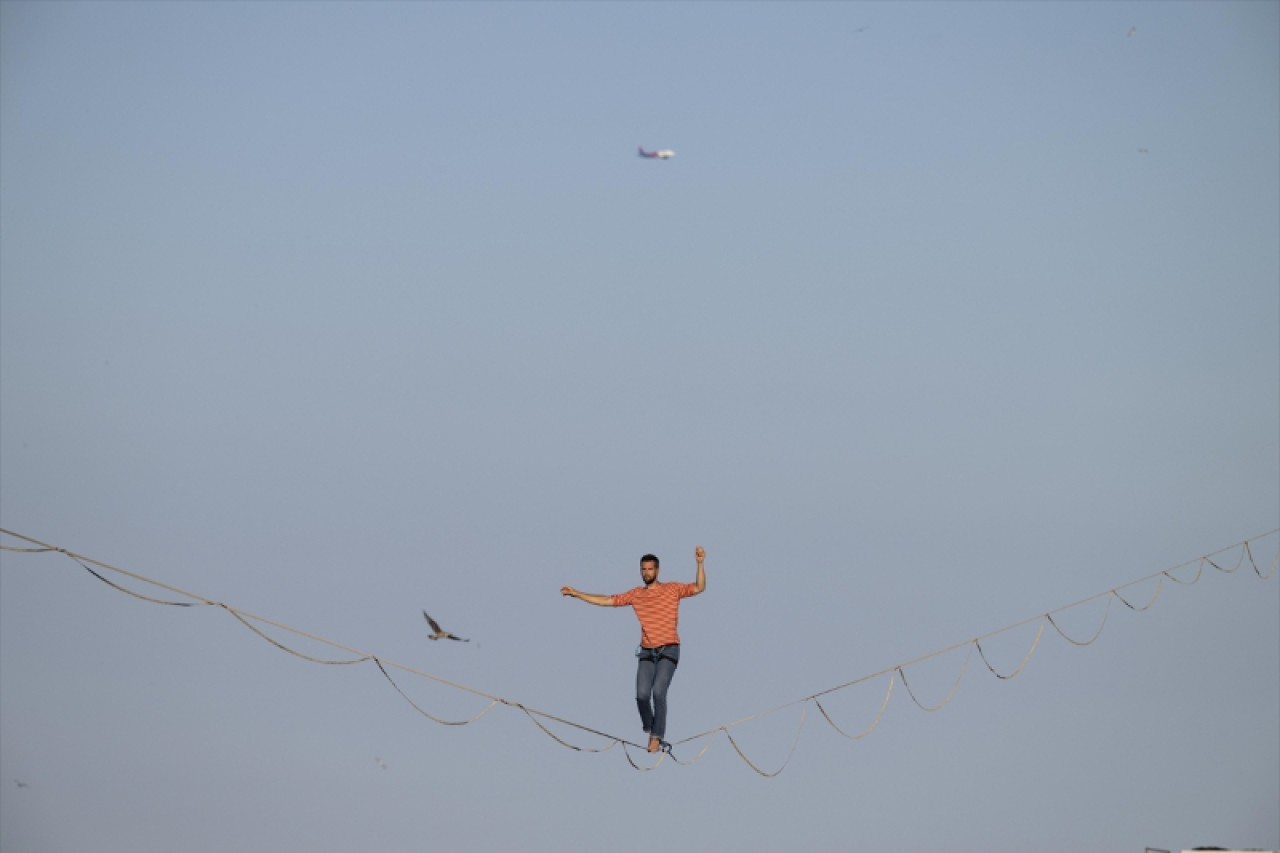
x: 701, y: 583
x: 602, y: 600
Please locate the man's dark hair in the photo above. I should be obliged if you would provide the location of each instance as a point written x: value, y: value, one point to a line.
x: 647, y: 557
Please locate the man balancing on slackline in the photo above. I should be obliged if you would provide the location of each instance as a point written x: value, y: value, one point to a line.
x: 657, y: 606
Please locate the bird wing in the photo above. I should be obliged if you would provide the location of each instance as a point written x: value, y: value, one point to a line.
x: 434, y: 625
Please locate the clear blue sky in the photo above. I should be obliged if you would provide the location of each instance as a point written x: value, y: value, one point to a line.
x: 943, y: 316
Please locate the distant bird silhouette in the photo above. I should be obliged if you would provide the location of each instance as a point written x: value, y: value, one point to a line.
x: 1144, y: 151
x: 1132, y: 30
x: 440, y: 633
x: 21, y: 784
x: 380, y: 763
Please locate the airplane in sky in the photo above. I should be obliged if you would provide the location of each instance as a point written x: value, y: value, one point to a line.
x: 663, y: 154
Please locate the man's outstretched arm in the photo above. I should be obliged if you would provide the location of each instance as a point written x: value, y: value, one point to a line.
x: 602, y: 600
x: 700, y: 584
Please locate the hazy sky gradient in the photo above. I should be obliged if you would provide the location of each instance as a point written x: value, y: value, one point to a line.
x: 944, y: 315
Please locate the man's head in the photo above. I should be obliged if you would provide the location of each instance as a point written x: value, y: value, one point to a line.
x: 648, y: 569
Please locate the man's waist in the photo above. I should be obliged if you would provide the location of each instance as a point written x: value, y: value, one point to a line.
x: 670, y: 651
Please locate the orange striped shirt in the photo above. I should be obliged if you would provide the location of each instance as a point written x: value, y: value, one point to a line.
x: 658, y: 609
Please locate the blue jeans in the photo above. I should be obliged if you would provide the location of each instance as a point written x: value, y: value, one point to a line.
x: 653, y: 676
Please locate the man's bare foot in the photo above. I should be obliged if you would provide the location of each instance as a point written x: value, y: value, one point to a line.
x: 654, y: 743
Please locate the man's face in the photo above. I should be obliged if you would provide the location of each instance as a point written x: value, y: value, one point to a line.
x: 648, y: 572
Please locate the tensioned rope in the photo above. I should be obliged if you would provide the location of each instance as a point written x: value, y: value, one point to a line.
x: 896, y: 672
x: 383, y: 663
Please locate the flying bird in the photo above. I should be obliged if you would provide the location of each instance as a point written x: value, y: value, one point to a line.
x: 1132, y: 30
x: 661, y: 154
x: 21, y: 784
x: 440, y: 633
x: 381, y: 763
